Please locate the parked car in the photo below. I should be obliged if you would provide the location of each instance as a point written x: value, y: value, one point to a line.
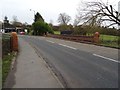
x: 22, y: 33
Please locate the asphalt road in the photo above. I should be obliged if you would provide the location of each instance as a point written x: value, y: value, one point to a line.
x: 79, y: 65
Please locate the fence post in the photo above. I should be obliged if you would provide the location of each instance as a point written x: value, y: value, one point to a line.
x: 96, y: 37
x: 14, y: 41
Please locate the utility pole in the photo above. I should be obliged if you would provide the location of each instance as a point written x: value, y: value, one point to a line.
x: 34, y: 13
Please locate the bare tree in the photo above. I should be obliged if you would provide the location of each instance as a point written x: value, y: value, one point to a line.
x: 95, y: 13
x: 77, y: 19
x: 15, y: 20
x: 63, y: 18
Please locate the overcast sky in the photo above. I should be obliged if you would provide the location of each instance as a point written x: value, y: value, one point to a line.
x: 49, y: 9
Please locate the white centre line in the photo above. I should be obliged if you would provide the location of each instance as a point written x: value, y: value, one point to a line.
x: 50, y: 41
x: 107, y: 58
x: 68, y: 46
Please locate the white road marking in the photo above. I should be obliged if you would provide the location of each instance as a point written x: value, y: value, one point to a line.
x: 68, y: 46
x: 50, y: 41
x: 42, y: 37
x: 107, y: 58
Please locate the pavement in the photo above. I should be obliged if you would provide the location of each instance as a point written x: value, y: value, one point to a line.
x: 30, y: 70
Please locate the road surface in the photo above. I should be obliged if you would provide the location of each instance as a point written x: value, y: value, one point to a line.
x: 78, y: 65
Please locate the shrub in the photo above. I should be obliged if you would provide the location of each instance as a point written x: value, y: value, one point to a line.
x: 41, y: 28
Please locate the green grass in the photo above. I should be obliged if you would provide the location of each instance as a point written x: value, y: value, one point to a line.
x: 109, y: 40
x: 108, y: 37
x: 57, y: 32
x: 6, y: 64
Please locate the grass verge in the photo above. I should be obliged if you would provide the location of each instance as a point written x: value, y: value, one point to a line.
x: 110, y: 41
x: 57, y: 32
x: 6, y: 65
x: 109, y: 37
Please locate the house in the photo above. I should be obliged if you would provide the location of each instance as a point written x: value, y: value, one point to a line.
x: 16, y: 27
x: 19, y: 27
x: 7, y: 27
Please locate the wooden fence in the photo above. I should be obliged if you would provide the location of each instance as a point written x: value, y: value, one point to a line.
x: 78, y: 38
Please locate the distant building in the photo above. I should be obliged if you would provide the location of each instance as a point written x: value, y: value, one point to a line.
x: 19, y: 27
x: 7, y: 27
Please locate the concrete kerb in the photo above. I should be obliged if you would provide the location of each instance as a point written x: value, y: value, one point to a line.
x: 14, y: 60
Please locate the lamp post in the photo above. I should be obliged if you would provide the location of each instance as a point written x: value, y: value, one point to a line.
x: 34, y: 13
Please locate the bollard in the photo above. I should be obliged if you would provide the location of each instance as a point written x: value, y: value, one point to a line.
x: 14, y: 41
x: 96, y: 37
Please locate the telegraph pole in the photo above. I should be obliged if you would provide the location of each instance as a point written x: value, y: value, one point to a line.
x: 34, y: 12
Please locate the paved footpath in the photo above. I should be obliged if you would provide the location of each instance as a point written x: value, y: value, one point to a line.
x: 30, y: 70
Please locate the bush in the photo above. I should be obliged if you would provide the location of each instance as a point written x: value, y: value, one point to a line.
x: 79, y: 31
x: 41, y: 28
x: 82, y: 30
